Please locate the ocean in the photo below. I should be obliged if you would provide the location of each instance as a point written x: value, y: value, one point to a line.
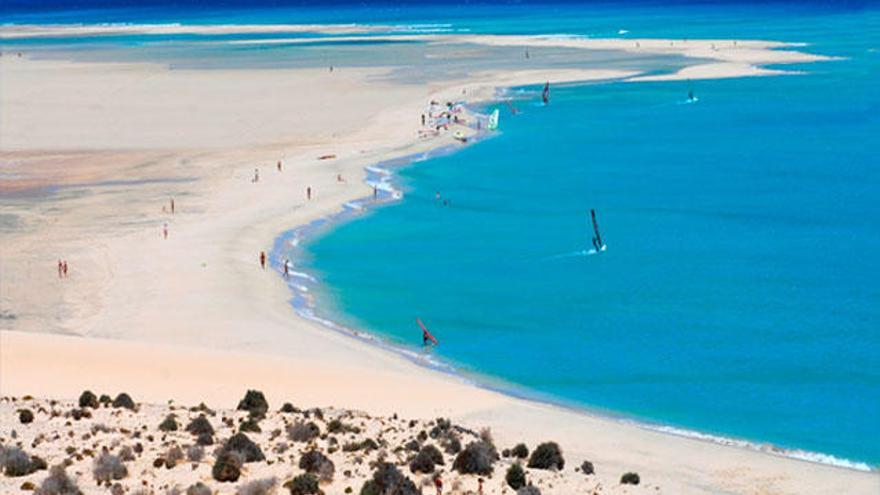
x: 738, y: 294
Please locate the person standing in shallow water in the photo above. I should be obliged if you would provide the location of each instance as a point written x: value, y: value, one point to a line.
x: 263, y: 260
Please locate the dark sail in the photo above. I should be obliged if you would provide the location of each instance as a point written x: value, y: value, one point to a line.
x: 597, y: 238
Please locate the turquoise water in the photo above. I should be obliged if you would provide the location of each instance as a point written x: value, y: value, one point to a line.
x: 738, y: 294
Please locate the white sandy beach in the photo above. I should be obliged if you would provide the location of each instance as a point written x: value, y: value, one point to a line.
x: 193, y: 317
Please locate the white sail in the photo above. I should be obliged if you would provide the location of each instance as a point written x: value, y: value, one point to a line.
x: 493, y: 120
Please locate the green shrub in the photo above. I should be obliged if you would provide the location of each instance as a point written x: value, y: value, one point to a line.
x: 25, y: 416
x: 548, y: 455
x: 367, y: 445
x: 254, y: 402
x: 426, y: 459
x: 250, y: 425
x: 304, y: 484
x: 587, y: 468
x: 387, y: 479
x: 88, y: 399
x: 124, y: 400
x: 314, y: 462
x: 227, y: 466
x: 198, y: 488
x: 528, y: 490
x: 515, y: 477
x: 520, y: 451
x: 242, y: 444
x: 200, y: 426
x: 169, y: 423
x: 630, y: 479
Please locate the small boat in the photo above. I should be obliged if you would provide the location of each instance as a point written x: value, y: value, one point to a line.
x: 597, y: 238
x: 427, y: 338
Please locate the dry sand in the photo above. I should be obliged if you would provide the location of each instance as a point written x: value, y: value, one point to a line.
x: 193, y: 318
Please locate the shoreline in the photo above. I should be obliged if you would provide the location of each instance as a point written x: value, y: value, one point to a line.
x: 289, y: 362
x: 306, y: 307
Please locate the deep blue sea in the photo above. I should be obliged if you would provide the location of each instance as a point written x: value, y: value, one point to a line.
x: 739, y: 292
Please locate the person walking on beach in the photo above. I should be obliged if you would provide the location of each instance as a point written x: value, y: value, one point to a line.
x: 309, y: 193
x: 423, y: 120
x: 339, y: 178
x: 60, y: 268
x: 64, y: 268
x: 165, y: 230
x: 172, y: 206
x: 256, y: 176
x: 279, y: 165
x: 438, y: 484
x: 263, y: 260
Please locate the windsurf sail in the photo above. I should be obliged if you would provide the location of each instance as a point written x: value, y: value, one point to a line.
x: 546, y: 94
x: 597, y: 238
x: 493, y: 120
x: 427, y: 338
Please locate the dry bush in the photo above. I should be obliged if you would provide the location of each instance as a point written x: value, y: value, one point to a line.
x: 57, y: 483
x: 108, y: 467
x: 264, y: 486
x: 303, y: 432
x: 476, y: 458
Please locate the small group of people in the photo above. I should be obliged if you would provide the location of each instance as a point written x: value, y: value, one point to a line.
x: 438, y: 485
x: 440, y: 118
x: 264, y: 260
x: 279, y: 165
x: 62, y: 268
